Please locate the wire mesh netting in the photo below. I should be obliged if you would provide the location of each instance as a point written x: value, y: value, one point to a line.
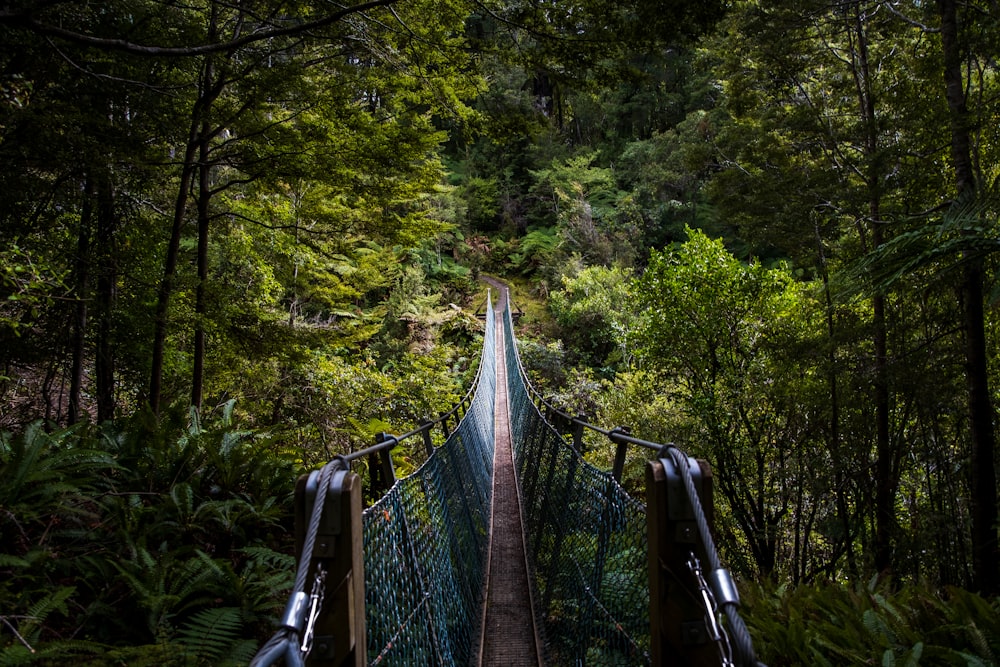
x: 585, y: 538
x: 425, y: 543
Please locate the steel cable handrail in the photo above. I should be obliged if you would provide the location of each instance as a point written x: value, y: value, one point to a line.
x: 288, y: 640
x: 723, y: 589
x: 292, y: 640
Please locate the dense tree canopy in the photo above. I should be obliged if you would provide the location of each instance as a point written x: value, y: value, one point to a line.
x: 763, y: 230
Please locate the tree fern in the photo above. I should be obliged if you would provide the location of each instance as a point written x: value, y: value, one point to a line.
x: 964, y: 233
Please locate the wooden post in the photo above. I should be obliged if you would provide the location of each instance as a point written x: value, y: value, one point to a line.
x: 339, y: 636
x: 679, y: 635
x: 578, y: 433
x: 425, y: 425
x: 385, y: 461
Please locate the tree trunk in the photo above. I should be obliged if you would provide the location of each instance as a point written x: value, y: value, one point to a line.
x: 886, y: 481
x: 840, y: 496
x: 78, y: 342
x: 204, y: 201
x: 170, y: 270
x: 886, y: 468
x: 204, y: 196
x: 983, y: 482
x: 210, y: 90
x: 984, y: 487
x: 107, y: 294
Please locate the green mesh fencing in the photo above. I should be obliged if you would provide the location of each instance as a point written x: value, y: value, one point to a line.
x: 425, y: 543
x: 586, y: 542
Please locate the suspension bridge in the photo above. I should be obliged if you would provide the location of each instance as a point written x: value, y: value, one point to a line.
x: 506, y: 547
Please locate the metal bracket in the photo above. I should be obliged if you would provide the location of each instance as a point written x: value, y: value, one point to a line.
x: 678, y: 504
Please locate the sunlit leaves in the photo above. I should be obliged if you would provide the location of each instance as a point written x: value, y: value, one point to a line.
x: 595, y: 310
x: 722, y: 334
x: 26, y: 284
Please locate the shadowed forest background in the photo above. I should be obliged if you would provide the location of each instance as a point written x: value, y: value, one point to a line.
x: 241, y: 238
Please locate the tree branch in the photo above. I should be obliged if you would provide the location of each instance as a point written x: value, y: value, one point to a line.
x: 906, y: 19
x: 26, y: 21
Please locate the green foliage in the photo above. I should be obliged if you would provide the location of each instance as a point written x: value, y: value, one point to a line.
x: 534, y: 250
x: 933, y: 252
x: 28, y: 284
x: 594, y: 311
x: 721, y: 334
x: 214, y: 636
x: 162, y: 541
x: 481, y: 197
x: 834, y: 624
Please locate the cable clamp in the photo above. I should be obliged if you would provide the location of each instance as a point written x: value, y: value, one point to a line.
x: 295, y: 612
x: 315, y: 607
x: 723, y: 587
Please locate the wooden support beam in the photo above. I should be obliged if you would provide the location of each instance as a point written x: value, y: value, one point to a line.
x: 339, y: 636
x: 679, y: 635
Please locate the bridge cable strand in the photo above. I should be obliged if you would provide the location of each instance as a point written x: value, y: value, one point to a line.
x: 425, y: 539
x: 287, y: 642
x: 725, y: 593
x: 585, y: 537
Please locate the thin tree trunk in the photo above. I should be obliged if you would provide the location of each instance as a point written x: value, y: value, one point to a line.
x: 170, y: 269
x: 984, y: 492
x: 204, y: 200
x: 886, y: 470
x: 78, y: 343
x: 204, y: 196
x: 843, y: 508
x: 209, y: 93
x: 107, y: 294
x: 886, y: 482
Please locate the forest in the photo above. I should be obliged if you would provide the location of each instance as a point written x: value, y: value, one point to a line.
x: 240, y: 238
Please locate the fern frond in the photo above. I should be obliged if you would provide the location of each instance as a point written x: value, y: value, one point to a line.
x: 32, y: 623
x: 212, y: 633
x: 67, y: 651
x: 268, y: 558
x: 972, y: 660
x: 53, y: 602
x: 241, y: 654
x: 6, y: 560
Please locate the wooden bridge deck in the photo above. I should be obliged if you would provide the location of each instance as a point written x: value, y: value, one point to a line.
x: 509, y: 637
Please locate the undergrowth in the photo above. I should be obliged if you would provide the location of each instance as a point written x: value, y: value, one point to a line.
x: 125, y: 545
x: 868, y: 624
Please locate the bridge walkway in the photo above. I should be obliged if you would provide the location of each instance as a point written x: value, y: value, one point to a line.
x: 509, y: 637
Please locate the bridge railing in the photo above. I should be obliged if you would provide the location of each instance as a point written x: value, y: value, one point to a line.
x: 400, y: 581
x: 618, y: 581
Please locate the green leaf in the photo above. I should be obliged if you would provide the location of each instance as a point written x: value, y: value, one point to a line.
x: 212, y: 634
